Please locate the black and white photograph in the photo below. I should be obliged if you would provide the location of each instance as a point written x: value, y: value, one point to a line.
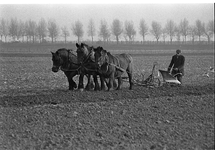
x: 112, y: 75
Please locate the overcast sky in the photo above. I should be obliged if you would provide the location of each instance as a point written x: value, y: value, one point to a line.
x: 67, y: 14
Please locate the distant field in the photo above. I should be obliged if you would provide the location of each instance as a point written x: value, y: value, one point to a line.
x: 114, y: 48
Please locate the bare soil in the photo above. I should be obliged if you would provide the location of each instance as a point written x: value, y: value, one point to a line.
x: 142, y: 118
x: 37, y: 111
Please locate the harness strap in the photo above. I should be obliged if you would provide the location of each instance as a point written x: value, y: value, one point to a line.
x: 88, y: 56
x: 82, y: 64
x: 69, y: 70
x: 69, y: 63
x: 117, y: 67
x: 68, y: 55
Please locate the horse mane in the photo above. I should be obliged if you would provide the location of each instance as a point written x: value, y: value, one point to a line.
x: 84, y: 44
x: 87, y: 53
x: 68, y: 50
x: 112, y: 58
x: 115, y: 58
x: 87, y: 47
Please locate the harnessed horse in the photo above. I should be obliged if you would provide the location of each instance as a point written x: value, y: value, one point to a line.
x: 63, y: 59
x: 85, y: 55
x: 113, y: 66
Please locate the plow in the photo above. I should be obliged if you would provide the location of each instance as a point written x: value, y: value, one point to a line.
x: 153, y: 81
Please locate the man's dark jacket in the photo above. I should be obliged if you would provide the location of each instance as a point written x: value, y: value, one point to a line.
x: 177, y: 62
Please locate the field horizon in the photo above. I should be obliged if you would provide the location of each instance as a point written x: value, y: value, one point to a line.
x: 44, y: 49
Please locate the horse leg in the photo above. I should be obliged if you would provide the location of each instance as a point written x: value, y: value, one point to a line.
x: 90, y: 84
x: 72, y: 84
x: 102, y: 80
x: 110, y: 85
x: 96, y: 82
x: 119, y: 83
x: 115, y: 84
x: 81, y: 84
x: 129, y: 72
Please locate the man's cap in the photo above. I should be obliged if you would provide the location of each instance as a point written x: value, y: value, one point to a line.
x: 178, y: 51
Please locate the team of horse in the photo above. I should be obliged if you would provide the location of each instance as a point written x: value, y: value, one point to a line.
x: 89, y: 61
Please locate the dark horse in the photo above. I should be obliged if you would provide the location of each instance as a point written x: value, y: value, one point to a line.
x: 113, y: 66
x: 66, y: 60
x: 85, y: 55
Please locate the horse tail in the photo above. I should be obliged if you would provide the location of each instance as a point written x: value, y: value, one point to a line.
x: 130, y: 63
x: 130, y: 58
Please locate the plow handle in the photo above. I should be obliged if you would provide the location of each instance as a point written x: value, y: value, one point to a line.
x: 153, y: 68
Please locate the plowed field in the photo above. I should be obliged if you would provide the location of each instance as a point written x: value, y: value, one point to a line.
x: 38, y: 112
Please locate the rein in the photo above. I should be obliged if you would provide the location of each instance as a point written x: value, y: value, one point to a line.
x: 68, y: 70
x: 117, y: 67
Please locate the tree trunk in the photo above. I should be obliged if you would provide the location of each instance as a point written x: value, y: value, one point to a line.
x: 5, y: 39
x: 208, y: 39
x: 130, y: 39
x: 117, y: 39
x: 33, y: 38
x: 193, y: 40
x: 65, y: 39
x: 157, y: 40
x: 185, y: 39
x: 92, y: 39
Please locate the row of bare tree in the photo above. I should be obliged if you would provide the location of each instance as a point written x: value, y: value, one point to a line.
x: 32, y: 31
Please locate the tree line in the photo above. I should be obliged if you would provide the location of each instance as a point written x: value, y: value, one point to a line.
x: 32, y: 31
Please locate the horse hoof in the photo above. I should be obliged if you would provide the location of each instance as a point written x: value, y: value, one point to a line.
x: 87, y: 89
x: 110, y: 89
x: 71, y: 89
x: 81, y: 90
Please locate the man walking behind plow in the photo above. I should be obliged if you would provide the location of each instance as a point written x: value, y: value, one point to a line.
x: 176, y: 66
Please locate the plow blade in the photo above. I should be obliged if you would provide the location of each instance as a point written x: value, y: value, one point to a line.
x: 168, y: 77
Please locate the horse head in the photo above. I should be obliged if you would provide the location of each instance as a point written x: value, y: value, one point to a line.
x: 57, y: 61
x: 60, y: 59
x: 85, y: 53
x: 101, y: 56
